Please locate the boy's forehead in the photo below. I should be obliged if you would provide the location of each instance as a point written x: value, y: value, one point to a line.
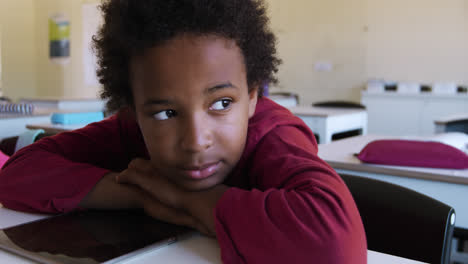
x: 189, y: 48
x: 189, y: 41
x: 188, y: 60
x: 196, y: 39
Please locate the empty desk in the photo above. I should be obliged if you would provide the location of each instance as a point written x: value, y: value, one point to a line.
x: 54, y: 128
x: 326, y: 122
x: 446, y: 185
x: 15, y: 124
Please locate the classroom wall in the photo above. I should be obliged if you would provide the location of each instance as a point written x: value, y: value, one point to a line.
x: 418, y: 40
x: 313, y: 32
x: 58, y: 79
x: 400, y: 40
x: 17, y: 45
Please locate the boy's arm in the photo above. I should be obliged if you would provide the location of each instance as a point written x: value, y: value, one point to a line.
x: 54, y: 174
x: 165, y: 201
x: 108, y: 194
x: 300, y: 211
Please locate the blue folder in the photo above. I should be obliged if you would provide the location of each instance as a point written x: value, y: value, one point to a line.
x: 76, y: 118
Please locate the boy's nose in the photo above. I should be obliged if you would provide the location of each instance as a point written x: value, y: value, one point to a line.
x: 197, y: 135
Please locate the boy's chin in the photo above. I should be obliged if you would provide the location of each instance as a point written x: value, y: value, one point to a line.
x: 197, y: 186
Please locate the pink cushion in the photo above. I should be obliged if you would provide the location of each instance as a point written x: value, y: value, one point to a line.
x: 414, y: 153
x: 3, y: 159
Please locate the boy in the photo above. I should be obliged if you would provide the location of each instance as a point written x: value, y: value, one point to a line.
x: 193, y: 143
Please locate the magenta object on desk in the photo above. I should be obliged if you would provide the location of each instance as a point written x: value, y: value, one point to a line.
x: 3, y: 159
x: 413, y: 153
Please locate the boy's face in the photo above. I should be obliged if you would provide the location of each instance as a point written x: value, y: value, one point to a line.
x: 192, y: 105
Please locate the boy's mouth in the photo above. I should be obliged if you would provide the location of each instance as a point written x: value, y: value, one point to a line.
x: 201, y: 172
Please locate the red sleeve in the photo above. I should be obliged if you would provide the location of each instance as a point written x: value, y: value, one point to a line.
x: 300, y: 212
x: 54, y: 174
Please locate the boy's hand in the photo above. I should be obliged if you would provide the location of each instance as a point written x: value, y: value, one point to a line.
x: 158, y: 210
x: 166, y: 201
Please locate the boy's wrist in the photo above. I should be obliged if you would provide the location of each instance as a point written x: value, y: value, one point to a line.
x: 202, y: 204
x: 191, y: 200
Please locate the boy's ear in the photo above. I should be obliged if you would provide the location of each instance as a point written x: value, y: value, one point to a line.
x: 253, y: 96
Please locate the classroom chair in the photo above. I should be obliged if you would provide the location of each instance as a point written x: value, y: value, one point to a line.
x: 457, y: 123
x: 342, y: 104
x: 339, y: 104
x: 402, y: 222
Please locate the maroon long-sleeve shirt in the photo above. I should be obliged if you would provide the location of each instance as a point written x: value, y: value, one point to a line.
x: 285, y: 204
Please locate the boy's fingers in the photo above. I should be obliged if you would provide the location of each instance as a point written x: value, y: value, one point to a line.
x: 140, y: 164
x: 162, y: 212
x: 155, y: 186
x: 133, y: 177
x: 160, y: 200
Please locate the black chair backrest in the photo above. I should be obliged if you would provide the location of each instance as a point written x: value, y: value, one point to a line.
x: 341, y: 104
x: 403, y: 222
x: 460, y: 125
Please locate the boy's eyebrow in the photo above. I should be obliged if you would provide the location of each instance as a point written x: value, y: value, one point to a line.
x: 219, y: 87
x: 156, y: 101
x: 207, y: 91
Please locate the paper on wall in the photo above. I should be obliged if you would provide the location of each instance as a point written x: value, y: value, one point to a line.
x: 59, y: 39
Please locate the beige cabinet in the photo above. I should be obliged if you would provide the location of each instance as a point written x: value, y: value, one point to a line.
x: 392, y: 113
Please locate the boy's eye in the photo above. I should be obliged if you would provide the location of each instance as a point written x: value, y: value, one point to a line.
x: 221, y: 104
x: 165, y: 114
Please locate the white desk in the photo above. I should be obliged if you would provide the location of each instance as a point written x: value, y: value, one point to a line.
x: 326, y: 121
x: 414, y: 113
x: 194, y: 250
x: 14, y: 124
x: 48, y: 127
x: 445, y: 185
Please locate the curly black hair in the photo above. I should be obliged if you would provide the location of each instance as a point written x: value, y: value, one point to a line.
x: 132, y: 26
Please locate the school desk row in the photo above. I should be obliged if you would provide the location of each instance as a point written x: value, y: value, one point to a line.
x: 13, y: 124
x: 324, y: 122
x: 449, y: 186
x: 194, y: 250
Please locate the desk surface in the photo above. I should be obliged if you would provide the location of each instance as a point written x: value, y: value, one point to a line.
x: 340, y: 155
x: 36, y: 112
x: 54, y: 128
x: 194, y: 250
x: 323, y: 111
